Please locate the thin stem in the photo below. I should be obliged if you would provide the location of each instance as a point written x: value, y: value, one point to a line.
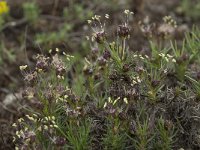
x: 123, y: 48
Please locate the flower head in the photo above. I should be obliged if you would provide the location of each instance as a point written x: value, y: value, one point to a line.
x: 3, y: 7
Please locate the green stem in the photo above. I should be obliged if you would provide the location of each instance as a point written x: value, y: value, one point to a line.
x: 123, y: 48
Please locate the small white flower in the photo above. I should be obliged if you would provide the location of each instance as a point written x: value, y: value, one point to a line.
x: 87, y: 38
x: 89, y: 21
x: 87, y: 61
x: 39, y: 70
x: 18, y: 134
x: 167, y: 60
x: 174, y: 60
x: 45, y: 127
x: 23, y: 67
x: 107, y: 16
x: 161, y: 55
x: 49, y: 117
x: 14, y: 125
x: 30, y: 118
x: 169, y: 56
x: 55, y: 126
x: 68, y: 59
x: 109, y: 99
x: 126, y: 11
x: 66, y: 96
x: 147, y: 56
x: 126, y: 100
x: 141, y: 57
x: 60, y: 77
x: 57, y: 50
x: 53, y: 117
x: 96, y: 17
x: 115, y: 101
x: 138, y: 80
x: 133, y: 83
x: 16, y: 148
x: 165, y: 71
x: 20, y: 120
x: 104, y: 106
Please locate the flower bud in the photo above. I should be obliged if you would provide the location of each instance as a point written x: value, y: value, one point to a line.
x: 126, y: 67
x: 88, y: 71
x: 106, y: 54
x: 101, y: 61
x: 100, y: 37
x: 155, y: 83
x: 182, y: 59
x: 123, y: 31
x: 60, y: 141
x: 42, y: 62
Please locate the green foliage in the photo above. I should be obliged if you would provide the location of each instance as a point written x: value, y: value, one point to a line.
x: 113, y: 98
x: 187, y: 54
x: 54, y: 37
x: 142, y: 141
x: 2, y: 21
x: 31, y: 11
x: 190, y: 8
x: 6, y: 54
x: 114, y: 138
x: 78, y: 136
x: 78, y: 11
x: 165, y: 137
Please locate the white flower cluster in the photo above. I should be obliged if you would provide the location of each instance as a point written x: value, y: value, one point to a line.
x: 136, y: 80
x: 95, y: 18
x: 48, y: 121
x: 27, y: 133
x: 113, y: 102
x: 127, y: 12
x: 69, y: 57
x: 141, y: 57
x: 167, y: 57
x: 169, y: 20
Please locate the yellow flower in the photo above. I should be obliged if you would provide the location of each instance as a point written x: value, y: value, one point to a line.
x: 3, y: 7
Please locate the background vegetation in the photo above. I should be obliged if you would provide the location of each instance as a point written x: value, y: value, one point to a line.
x: 131, y: 84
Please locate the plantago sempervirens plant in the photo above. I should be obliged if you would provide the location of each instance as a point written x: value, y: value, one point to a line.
x: 116, y: 98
